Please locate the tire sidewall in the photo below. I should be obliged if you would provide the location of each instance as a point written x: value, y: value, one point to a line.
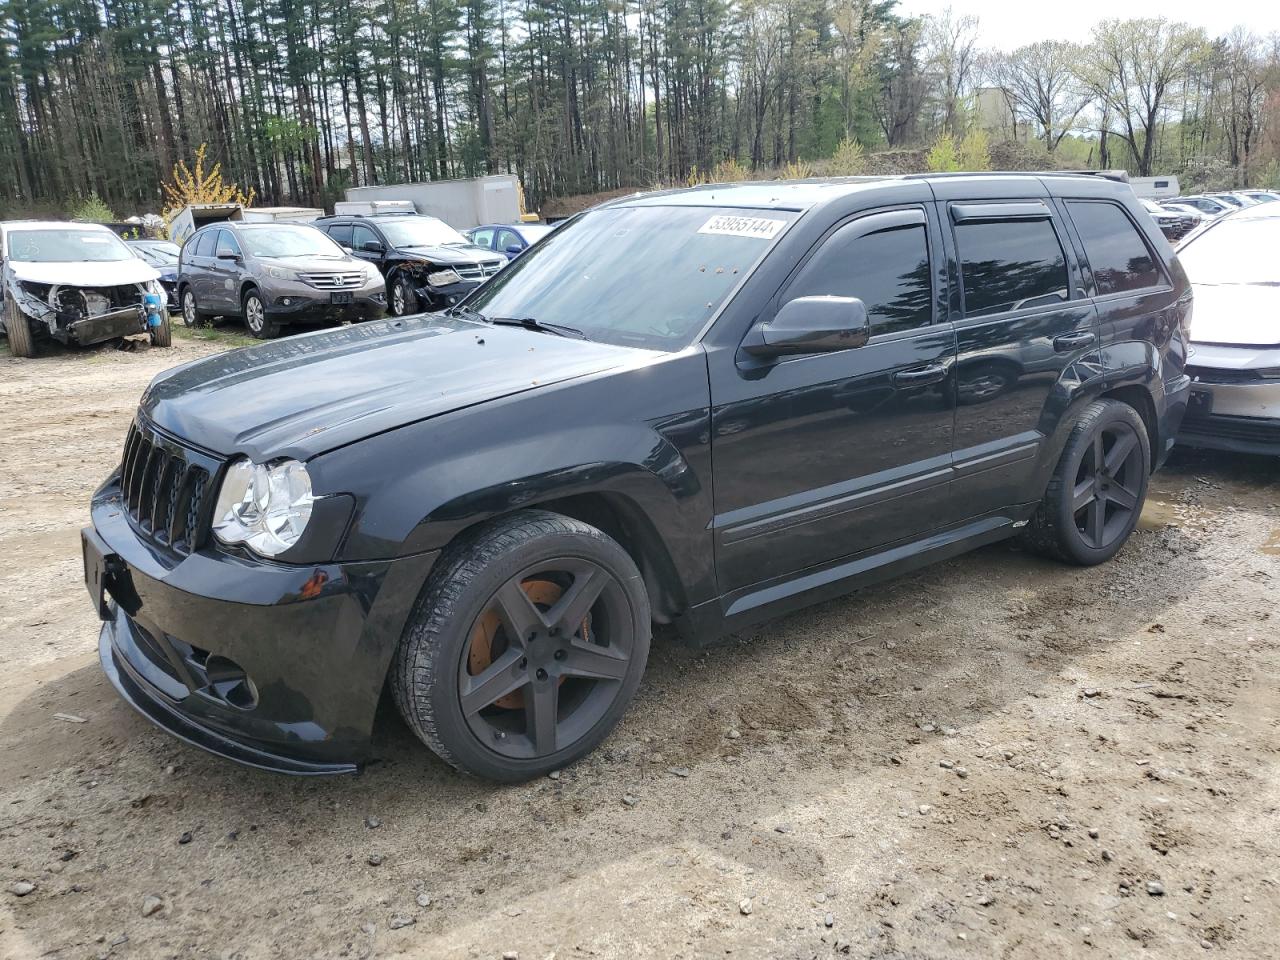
x: 401, y: 286
x: 1111, y: 412
x: 264, y: 332
x: 190, y: 318
x: 451, y: 627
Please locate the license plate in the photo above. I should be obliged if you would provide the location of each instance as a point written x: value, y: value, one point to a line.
x: 95, y: 571
x: 341, y: 297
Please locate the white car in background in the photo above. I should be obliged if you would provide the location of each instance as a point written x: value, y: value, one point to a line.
x: 77, y: 283
x: 1234, y: 268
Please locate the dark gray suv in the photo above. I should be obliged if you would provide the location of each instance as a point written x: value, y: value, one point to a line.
x: 273, y: 274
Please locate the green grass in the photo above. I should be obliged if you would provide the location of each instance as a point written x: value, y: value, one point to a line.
x: 228, y: 338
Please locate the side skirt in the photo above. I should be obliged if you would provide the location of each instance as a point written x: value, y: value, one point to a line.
x: 707, y: 622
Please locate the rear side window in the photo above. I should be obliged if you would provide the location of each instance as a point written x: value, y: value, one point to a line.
x: 1119, y: 257
x: 887, y: 270
x: 202, y: 243
x: 1010, y: 265
x: 341, y: 234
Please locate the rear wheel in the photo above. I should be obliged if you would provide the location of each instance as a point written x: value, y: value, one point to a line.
x: 525, y: 647
x: 255, y: 317
x: 1097, y: 491
x: 18, y: 330
x: 190, y: 311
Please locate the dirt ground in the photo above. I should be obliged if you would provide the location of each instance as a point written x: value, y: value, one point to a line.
x: 996, y: 757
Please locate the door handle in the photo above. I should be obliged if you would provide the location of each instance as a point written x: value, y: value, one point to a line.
x: 1073, y: 341
x: 917, y: 378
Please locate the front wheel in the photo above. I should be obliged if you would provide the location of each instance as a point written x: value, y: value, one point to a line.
x: 162, y: 335
x: 402, y: 298
x: 525, y: 647
x: 18, y: 330
x: 256, y: 319
x: 190, y: 312
x: 1096, y: 493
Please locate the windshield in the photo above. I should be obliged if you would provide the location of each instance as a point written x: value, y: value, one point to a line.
x: 67, y: 246
x: 1234, y: 251
x: 420, y: 232
x: 533, y: 232
x: 289, y: 242
x: 159, y: 254
x: 636, y: 276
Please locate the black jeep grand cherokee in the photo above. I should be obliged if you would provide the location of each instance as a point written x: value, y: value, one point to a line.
x: 705, y: 407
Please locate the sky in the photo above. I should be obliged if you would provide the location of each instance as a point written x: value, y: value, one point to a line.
x: 1006, y: 24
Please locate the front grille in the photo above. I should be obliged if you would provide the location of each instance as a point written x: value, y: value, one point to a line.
x: 478, y: 271
x: 333, y: 281
x: 164, y: 486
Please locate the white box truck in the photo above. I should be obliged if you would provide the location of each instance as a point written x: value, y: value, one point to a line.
x: 282, y: 214
x: 194, y: 216
x: 462, y: 204
x: 369, y: 208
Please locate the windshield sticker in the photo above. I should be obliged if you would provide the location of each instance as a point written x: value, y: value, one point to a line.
x: 761, y: 228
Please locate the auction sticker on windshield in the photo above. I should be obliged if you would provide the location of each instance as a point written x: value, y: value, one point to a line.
x: 730, y: 226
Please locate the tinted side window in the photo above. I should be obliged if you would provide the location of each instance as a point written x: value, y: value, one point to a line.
x: 361, y: 236
x: 887, y: 270
x: 201, y: 243
x: 1010, y: 265
x: 341, y: 234
x: 227, y: 243
x: 1117, y: 253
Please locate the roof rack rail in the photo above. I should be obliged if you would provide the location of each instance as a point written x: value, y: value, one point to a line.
x: 1120, y: 176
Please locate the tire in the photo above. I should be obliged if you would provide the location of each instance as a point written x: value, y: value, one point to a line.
x: 510, y: 564
x: 162, y: 336
x: 985, y: 382
x: 1086, y: 516
x: 190, y: 311
x: 255, y: 316
x: 18, y: 330
x: 401, y: 300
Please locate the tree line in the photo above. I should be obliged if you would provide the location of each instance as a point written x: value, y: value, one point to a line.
x: 300, y: 99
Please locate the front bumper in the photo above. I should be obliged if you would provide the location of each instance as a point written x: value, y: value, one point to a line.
x: 441, y: 298
x: 106, y: 326
x: 276, y: 666
x: 1233, y: 406
x: 317, y: 306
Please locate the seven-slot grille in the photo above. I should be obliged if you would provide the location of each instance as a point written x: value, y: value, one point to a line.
x: 333, y: 281
x: 478, y: 271
x: 164, y: 490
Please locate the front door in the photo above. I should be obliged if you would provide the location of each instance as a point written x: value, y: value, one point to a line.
x: 366, y: 245
x: 1023, y: 322
x: 822, y: 457
x: 227, y: 261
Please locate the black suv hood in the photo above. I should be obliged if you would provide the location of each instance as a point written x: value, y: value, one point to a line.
x: 449, y: 255
x: 304, y: 395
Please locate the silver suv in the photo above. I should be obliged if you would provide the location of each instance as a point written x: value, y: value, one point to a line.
x: 273, y: 274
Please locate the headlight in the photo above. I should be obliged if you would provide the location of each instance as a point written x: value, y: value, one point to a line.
x: 280, y: 273
x: 443, y: 278
x: 263, y: 506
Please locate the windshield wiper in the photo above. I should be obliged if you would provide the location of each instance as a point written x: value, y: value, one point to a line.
x: 541, y: 326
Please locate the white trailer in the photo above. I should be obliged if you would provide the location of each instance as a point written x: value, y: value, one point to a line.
x: 282, y: 214
x: 369, y: 208
x: 462, y: 204
x: 194, y: 216
x: 1155, y: 188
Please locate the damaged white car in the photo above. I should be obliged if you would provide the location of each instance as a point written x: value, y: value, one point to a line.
x: 77, y: 283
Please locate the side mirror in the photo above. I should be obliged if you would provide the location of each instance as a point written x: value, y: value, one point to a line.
x: 514, y: 248
x: 372, y: 246
x: 228, y: 255
x: 812, y: 325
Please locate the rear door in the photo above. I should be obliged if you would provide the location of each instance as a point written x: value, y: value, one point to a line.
x: 196, y: 257
x: 1022, y: 320
x: 826, y: 456
x: 225, y: 271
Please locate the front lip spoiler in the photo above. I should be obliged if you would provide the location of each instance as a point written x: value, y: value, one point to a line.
x: 134, y: 691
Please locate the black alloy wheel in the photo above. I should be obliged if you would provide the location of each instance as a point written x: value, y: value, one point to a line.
x: 1096, y: 493
x: 547, y: 658
x: 1109, y: 484
x: 527, y: 643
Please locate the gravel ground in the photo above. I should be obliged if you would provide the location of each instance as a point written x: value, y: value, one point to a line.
x: 998, y: 756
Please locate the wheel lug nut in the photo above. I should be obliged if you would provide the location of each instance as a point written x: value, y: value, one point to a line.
x: 542, y: 674
x: 524, y: 662
x: 559, y: 654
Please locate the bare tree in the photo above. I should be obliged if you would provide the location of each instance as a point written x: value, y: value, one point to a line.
x: 951, y: 55
x: 1135, y: 67
x: 1040, y: 85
